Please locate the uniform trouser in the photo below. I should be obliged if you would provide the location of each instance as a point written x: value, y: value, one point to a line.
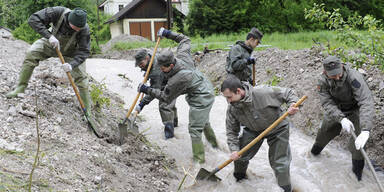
x: 198, y: 121
x: 330, y: 128
x: 279, y: 153
x: 168, y: 111
x: 41, y: 50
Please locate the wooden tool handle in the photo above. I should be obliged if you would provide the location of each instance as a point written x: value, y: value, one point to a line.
x: 254, y: 75
x: 265, y: 132
x: 145, y: 78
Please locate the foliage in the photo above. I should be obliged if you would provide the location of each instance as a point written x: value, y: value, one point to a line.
x: 207, y: 17
x: 97, y: 91
x: 26, y: 33
x: 370, y: 43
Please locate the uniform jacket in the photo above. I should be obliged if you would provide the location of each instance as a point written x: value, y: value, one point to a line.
x: 41, y: 20
x: 259, y: 108
x: 237, y: 63
x: 338, y: 98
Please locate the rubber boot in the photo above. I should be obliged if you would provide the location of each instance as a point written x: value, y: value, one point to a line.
x: 316, y: 149
x: 240, y: 176
x: 25, y: 75
x: 357, y: 168
x: 175, y: 122
x: 198, y: 151
x: 210, y: 135
x: 85, y: 96
x: 168, y: 130
x: 287, y: 188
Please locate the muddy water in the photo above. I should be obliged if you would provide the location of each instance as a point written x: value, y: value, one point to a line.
x: 331, y: 171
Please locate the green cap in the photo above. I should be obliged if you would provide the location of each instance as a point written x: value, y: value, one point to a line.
x: 332, y: 65
x: 166, y: 58
x: 78, y: 17
x: 256, y: 33
x: 140, y: 56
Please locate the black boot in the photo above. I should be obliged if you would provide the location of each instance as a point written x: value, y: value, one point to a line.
x: 175, y: 122
x: 316, y: 149
x: 240, y: 176
x: 357, y: 168
x: 168, y: 130
x: 287, y: 188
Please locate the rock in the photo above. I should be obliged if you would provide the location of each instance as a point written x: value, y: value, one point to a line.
x: 12, y: 111
x: 10, y: 119
x: 301, y: 70
x: 97, y: 180
x: 362, y: 71
x: 28, y: 113
x: 118, y: 150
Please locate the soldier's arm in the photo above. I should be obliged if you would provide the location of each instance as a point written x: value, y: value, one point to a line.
x: 365, y: 101
x: 174, y: 87
x: 329, y: 105
x: 285, y: 95
x: 184, y: 48
x: 155, y: 80
x: 40, y: 20
x: 238, y: 63
x: 233, y: 129
x: 84, y: 47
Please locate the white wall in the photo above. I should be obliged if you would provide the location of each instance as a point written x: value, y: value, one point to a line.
x: 112, y: 6
x: 116, y: 29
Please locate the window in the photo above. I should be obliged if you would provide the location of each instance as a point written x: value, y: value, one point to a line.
x: 121, y: 7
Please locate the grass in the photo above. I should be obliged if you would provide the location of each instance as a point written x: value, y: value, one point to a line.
x: 286, y: 41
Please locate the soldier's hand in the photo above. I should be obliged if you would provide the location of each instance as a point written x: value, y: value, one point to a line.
x: 54, y: 42
x: 66, y: 67
x: 292, y: 109
x: 346, y: 124
x: 139, y: 107
x: 163, y: 32
x: 142, y: 88
x: 251, y: 60
x: 235, y: 156
x: 361, y: 140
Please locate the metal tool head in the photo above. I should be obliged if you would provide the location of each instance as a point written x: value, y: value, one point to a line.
x: 204, y: 174
x: 125, y: 127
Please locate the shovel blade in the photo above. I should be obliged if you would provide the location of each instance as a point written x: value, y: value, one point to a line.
x: 128, y: 127
x: 204, y: 174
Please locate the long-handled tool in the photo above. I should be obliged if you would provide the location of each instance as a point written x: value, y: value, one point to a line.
x: 369, y: 164
x: 203, y: 174
x: 91, y: 124
x: 123, y: 125
x: 254, y: 74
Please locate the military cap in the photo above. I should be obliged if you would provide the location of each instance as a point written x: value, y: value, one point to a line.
x: 140, y: 56
x: 78, y: 17
x: 332, y: 65
x: 256, y: 33
x: 166, y: 58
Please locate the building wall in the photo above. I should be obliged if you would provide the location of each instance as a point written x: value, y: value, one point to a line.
x: 112, y: 6
x: 144, y: 27
x: 116, y: 29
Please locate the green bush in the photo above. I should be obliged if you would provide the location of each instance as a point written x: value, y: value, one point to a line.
x: 97, y: 91
x: 26, y: 33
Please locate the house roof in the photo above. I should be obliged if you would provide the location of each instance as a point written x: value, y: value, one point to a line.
x: 126, y: 9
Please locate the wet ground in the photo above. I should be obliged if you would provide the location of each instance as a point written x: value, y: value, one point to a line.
x: 331, y: 171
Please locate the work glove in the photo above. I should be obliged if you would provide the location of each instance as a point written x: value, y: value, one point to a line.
x: 66, y: 67
x: 361, y: 140
x: 142, y: 88
x: 346, y: 124
x: 251, y: 60
x: 54, y: 42
x: 139, y: 107
x: 163, y: 32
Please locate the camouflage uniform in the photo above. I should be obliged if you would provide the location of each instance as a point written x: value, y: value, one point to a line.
x: 259, y: 108
x: 349, y: 98
x: 185, y: 79
x: 237, y: 61
x: 75, y: 47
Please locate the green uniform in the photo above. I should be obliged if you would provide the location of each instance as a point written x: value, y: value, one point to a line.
x: 259, y: 108
x: 75, y: 47
x: 157, y: 80
x: 185, y: 79
x: 349, y: 98
x: 237, y: 61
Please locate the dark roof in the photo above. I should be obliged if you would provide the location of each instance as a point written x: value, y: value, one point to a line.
x: 127, y: 8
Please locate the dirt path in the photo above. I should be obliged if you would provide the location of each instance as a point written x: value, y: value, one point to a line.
x: 331, y: 171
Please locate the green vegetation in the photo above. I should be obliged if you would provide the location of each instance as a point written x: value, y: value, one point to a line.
x: 97, y: 91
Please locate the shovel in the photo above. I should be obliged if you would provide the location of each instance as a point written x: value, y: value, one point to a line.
x: 204, y: 174
x: 91, y: 124
x: 369, y: 163
x: 123, y: 130
x: 132, y: 126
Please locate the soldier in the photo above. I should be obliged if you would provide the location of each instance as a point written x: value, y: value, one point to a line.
x: 168, y: 112
x: 239, y: 59
x: 348, y: 105
x: 256, y: 108
x: 70, y: 33
x: 185, y: 79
